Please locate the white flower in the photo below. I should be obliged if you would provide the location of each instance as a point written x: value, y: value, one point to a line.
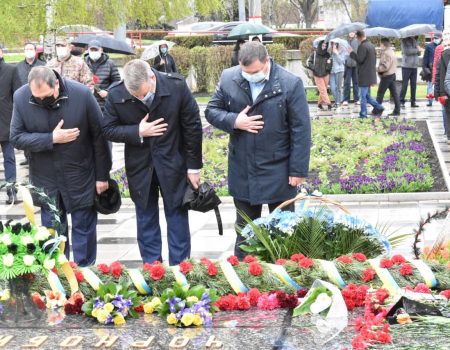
x: 323, y: 302
x: 26, y: 240
x: 8, y: 260
x: 42, y: 234
x: 5, y: 295
x: 5, y: 239
x: 49, y: 263
x: 28, y: 260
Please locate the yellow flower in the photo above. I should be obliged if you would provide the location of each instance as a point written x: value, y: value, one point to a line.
x: 94, y: 312
x: 119, y: 320
x: 5, y: 295
x: 187, y: 319
x: 155, y: 302
x: 192, y: 299
x: 172, y: 319
x: 198, y: 320
x: 148, y: 308
x: 108, y: 307
x: 102, y: 315
x: 403, y: 318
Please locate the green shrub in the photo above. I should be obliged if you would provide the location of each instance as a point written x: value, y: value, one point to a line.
x: 159, y: 35
x: 199, y: 58
x: 219, y: 58
x: 306, y: 49
x: 181, y: 55
x: 278, y: 53
x: 290, y: 42
x: 191, y: 40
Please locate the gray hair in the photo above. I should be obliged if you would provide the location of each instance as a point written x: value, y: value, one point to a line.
x: 135, y: 73
x: 252, y: 51
x: 42, y: 75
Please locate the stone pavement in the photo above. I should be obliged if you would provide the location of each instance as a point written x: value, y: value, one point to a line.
x: 398, y: 213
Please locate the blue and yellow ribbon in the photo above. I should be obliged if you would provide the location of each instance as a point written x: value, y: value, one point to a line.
x: 385, y: 276
x: 283, y: 276
x: 139, y: 281
x: 91, y: 278
x: 55, y: 283
x: 232, y: 277
x: 179, y: 276
x: 425, y: 272
x: 333, y: 274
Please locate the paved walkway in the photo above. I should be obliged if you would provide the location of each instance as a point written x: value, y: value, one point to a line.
x: 117, y: 233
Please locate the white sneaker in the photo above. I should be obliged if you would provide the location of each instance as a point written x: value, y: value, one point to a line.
x: 357, y: 103
x: 345, y: 103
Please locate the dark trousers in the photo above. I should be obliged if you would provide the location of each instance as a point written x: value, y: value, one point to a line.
x: 84, y: 232
x: 388, y: 82
x: 149, y: 231
x: 351, y: 76
x: 409, y: 75
x: 447, y: 118
x: 253, y: 212
x: 9, y: 161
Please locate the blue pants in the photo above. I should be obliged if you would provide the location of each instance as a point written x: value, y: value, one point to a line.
x: 84, y: 232
x: 336, y: 86
x: 149, y: 231
x: 351, y: 76
x: 365, y: 98
x: 9, y: 161
x: 430, y: 90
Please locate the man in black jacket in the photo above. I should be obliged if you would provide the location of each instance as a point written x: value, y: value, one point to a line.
x: 440, y: 93
x: 164, y: 62
x: 104, y: 71
x: 58, y: 121
x: 366, y: 58
x: 157, y: 118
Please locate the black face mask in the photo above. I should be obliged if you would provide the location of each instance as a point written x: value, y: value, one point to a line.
x: 46, y: 102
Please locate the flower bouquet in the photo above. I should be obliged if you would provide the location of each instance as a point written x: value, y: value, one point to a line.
x: 113, y: 303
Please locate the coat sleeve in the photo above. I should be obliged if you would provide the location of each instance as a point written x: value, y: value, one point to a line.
x: 22, y: 139
x: 216, y: 112
x: 174, y: 67
x: 300, y: 129
x: 102, y: 154
x: 385, y: 63
x: 426, y: 57
x: 437, y: 80
x: 114, y: 74
x: 447, y: 82
x: 359, y: 56
x: 157, y: 62
x: 16, y: 79
x: 112, y: 128
x: 409, y: 50
x: 191, y: 126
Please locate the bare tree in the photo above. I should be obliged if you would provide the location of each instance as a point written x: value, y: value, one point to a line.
x: 356, y: 9
x: 307, y: 9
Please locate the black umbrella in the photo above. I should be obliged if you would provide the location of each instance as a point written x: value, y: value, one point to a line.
x: 382, y: 31
x: 109, y: 44
x: 344, y: 29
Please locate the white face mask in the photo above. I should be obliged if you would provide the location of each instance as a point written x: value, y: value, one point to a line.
x: 61, y: 52
x: 29, y: 54
x: 254, y: 78
x: 437, y: 41
x: 95, y: 55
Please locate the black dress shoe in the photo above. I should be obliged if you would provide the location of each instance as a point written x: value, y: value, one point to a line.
x: 395, y: 114
x: 414, y: 105
x: 25, y: 162
x: 12, y: 197
x: 402, y: 105
x: 429, y: 104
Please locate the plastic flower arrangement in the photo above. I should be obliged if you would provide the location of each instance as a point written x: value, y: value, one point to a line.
x: 113, y: 303
x: 184, y: 306
x: 442, y: 255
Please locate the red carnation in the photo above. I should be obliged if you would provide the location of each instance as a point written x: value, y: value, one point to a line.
x: 302, y: 292
x: 359, y: 257
x: 205, y: 261
x: 37, y: 299
x: 73, y: 265
x: 386, y: 263
x: 253, y: 294
x: 116, y: 269
x: 95, y: 79
x: 139, y: 308
x: 398, y: 259
x: 281, y: 262
x: 243, y: 303
x: 103, y: 268
x: 345, y: 259
x: 381, y: 295
x: 79, y: 276
x: 227, y: 303
x: 406, y: 269
x: 147, y: 267
x: 212, y: 269
x: 368, y: 275
x: 74, y: 304
x: 422, y: 288
x: 185, y: 267
x: 297, y: 257
x: 306, y: 263
x: 157, y: 272
x: 233, y: 260
x: 255, y: 269
x: 249, y: 259
x: 445, y: 293
x: 286, y: 300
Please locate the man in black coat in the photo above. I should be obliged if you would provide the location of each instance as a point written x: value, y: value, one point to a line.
x: 157, y: 118
x: 164, y: 62
x: 58, y: 121
x: 24, y: 67
x: 104, y: 71
x: 440, y: 94
x: 264, y: 109
x: 6, y: 104
x: 366, y: 58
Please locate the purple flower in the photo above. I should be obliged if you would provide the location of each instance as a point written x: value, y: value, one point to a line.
x: 109, y: 319
x: 98, y: 304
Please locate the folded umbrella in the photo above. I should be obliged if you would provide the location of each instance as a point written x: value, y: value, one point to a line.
x: 344, y: 29
x: 246, y: 29
x: 416, y: 29
x: 109, y: 44
x: 153, y: 50
x: 382, y: 31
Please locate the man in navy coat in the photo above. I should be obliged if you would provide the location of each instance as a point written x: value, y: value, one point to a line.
x: 264, y: 109
x: 157, y: 118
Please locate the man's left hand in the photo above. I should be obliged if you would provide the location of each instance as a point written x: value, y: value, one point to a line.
x: 194, y: 179
x: 101, y: 186
x: 103, y: 93
x: 295, y: 181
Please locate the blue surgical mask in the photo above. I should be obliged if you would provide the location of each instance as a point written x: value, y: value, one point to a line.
x: 148, y: 97
x: 254, y: 78
x: 163, y: 50
x: 437, y: 41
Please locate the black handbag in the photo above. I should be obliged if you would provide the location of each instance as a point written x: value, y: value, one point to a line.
x: 203, y: 199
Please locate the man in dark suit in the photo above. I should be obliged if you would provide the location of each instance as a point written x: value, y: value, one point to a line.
x: 157, y: 118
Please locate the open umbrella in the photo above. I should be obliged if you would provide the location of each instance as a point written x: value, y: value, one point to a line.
x: 153, y: 50
x: 342, y: 43
x: 382, y: 31
x: 246, y: 29
x: 344, y: 29
x: 109, y: 44
x: 318, y: 40
x: 416, y: 29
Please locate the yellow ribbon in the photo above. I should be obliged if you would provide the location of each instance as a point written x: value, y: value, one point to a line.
x: 55, y: 283
x: 91, y: 278
x: 179, y: 277
x: 232, y: 277
x: 27, y: 203
x: 385, y: 276
x: 333, y: 274
x: 139, y: 281
x: 283, y: 276
x: 425, y: 272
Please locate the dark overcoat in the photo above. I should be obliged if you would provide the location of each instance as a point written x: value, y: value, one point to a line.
x: 259, y: 165
x: 69, y: 169
x: 366, y: 58
x: 6, y: 98
x: 170, y: 155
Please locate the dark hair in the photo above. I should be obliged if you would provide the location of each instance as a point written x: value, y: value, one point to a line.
x: 360, y: 34
x: 237, y: 46
x: 29, y: 43
x: 42, y: 75
x: 252, y: 51
x: 385, y: 41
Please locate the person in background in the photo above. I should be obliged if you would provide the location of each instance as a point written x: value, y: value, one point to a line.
x: 235, y: 57
x: 164, y: 62
x: 256, y: 38
x: 351, y: 73
x: 410, y: 61
x: 427, y: 66
x: 366, y: 58
x: 437, y: 56
x: 320, y: 63
x: 338, y: 56
x: 440, y: 93
x: 386, y: 70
